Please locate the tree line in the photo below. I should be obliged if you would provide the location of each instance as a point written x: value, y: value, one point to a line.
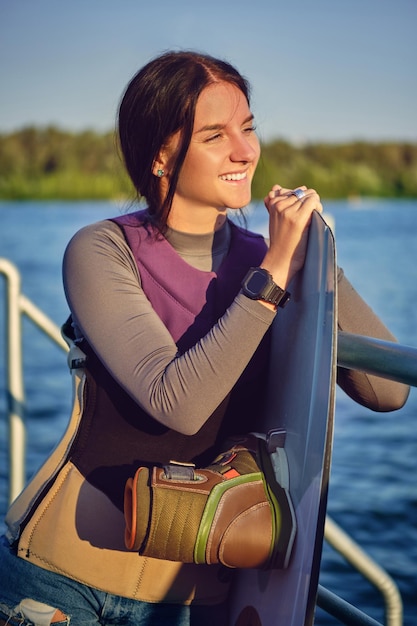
x: 50, y: 163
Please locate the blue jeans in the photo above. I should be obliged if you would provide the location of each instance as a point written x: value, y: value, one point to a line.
x: 82, y: 605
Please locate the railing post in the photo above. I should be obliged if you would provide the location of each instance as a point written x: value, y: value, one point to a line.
x: 363, y: 563
x: 15, y: 395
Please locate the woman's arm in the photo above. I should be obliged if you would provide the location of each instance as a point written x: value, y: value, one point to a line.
x: 355, y: 316
x: 111, y: 311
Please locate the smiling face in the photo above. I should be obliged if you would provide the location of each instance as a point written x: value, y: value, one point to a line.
x: 220, y: 162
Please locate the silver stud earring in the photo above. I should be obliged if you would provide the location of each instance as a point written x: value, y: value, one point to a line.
x: 160, y: 173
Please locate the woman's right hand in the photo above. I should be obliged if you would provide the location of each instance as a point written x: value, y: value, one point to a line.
x: 289, y: 220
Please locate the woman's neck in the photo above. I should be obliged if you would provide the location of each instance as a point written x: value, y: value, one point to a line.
x: 204, y: 251
x: 197, y: 222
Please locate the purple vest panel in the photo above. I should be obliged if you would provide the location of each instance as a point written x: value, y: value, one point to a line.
x: 188, y: 301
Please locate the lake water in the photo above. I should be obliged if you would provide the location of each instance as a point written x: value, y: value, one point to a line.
x: 373, y: 488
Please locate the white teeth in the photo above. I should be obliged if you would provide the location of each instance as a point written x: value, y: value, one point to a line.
x: 234, y: 176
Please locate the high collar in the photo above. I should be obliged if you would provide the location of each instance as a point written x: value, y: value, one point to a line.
x: 203, y: 251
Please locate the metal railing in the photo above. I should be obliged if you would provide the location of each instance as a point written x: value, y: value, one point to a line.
x: 18, y: 305
x: 375, y: 356
x: 382, y: 358
x: 362, y: 562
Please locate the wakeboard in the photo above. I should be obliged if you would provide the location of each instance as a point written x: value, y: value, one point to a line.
x: 299, y: 418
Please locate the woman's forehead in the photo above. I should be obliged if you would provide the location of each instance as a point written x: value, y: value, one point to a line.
x: 218, y: 104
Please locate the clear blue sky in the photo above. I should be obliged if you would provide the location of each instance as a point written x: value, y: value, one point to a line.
x: 320, y: 69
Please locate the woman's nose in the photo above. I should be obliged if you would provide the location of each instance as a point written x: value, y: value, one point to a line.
x: 244, y: 148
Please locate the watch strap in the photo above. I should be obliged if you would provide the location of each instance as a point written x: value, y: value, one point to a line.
x: 275, y: 295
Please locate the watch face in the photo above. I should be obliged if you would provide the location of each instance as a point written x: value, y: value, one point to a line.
x: 256, y: 283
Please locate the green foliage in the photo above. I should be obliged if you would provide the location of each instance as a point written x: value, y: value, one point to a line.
x: 51, y: 164
x: 48, y: 163
x: 341, y: 170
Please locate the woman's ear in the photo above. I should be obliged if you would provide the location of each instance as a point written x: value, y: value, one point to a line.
x: 159, y: 167
x: 164, y: 161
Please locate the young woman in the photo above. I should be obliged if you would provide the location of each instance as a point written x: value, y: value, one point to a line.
x: 162, y: 335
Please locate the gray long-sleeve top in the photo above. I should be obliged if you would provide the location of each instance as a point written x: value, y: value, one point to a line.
x: 111, y: 311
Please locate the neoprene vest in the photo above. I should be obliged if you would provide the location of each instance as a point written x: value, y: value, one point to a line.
x: 69, y: 519
x: 189, y: 302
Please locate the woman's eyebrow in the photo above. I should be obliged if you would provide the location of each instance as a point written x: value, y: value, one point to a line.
x: 212, y: 127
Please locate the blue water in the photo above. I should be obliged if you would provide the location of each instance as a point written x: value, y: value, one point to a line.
x: 373, y: 489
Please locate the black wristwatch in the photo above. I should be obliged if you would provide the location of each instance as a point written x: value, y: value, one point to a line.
x: 258, y: 285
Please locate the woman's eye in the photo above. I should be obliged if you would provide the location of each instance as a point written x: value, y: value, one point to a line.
x: 213, y: 138
x: 247, y: 130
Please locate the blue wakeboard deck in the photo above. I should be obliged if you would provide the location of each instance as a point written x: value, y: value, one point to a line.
x: 300, y: 401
